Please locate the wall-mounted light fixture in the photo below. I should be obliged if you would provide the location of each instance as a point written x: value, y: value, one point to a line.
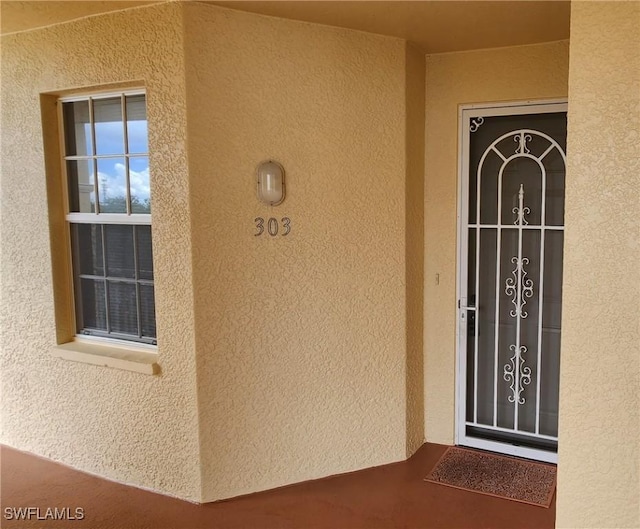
x: 270, y: 182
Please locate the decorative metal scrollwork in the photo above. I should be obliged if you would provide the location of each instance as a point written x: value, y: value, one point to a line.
x: 519, y: 283
x: 520, y: 212
x: 517, y: 383
x: 519, y: 378
x: 519, y: 286
x: 475, y: 124
x: 522, y: 139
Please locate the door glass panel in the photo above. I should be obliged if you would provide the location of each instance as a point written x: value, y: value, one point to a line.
x: 554, y: 164
x: 506, y: 331
x: 486, y: 325
x: 552, y: 316
x: 489, y: 188
x: 471, y: 322
x: 526, y: 173
x: 528, y: 340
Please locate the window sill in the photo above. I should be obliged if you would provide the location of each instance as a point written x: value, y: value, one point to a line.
x: 127, y: 358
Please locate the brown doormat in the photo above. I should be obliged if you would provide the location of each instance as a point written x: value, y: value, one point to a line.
x: 496, y: 475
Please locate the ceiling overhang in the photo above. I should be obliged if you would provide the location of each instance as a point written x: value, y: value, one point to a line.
x: 435, y: 26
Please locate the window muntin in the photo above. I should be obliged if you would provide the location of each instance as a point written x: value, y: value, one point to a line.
x: 106, y: 150
x: 109, y: 214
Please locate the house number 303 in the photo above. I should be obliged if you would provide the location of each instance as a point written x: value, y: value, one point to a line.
x: 272, y: 226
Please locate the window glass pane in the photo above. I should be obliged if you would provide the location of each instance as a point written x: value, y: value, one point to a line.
x: 112, y: 185
x: 107, y: 115
x: 119, y: 250
x: 113, y: 263
x: 87, y: 246
x: 139, y: 184
x: 147, y: 311
x: 123, y: 317
x: 82, y: 195
x: 145, y: 254
x: 137, y: 124
x: 77, y: 129
x: 93, y: 305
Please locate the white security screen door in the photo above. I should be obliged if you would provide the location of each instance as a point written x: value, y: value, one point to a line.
x: 511, y: 217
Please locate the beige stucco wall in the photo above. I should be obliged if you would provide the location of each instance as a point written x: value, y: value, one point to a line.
x: 301, y: 339
x: 507, y: 74
x: 131, y: 427
x: 414, y: 237
x: 599, y: 457
x: 308, y: 346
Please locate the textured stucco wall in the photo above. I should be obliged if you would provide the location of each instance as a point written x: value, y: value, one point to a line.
x: 126, y: 426
x: 301, y: 339
x: 507, y: 74
x: 414, y: 236
x: 599, y: 458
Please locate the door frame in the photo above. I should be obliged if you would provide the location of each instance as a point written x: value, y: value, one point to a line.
x: 465, y: 112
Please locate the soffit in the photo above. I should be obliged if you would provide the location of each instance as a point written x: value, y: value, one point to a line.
x: 435, y: 26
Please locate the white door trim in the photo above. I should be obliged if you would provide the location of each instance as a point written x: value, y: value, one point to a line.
x: 464, y: 123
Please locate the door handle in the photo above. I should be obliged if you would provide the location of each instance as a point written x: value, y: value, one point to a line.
x: 468, y: 312
x: 471, y: 323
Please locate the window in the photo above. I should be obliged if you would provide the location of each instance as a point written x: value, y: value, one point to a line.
x: 109, y: 215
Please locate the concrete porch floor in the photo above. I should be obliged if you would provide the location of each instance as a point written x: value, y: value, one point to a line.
x: 390, y: 496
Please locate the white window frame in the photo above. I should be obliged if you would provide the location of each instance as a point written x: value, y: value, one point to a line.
x: 119, y: 341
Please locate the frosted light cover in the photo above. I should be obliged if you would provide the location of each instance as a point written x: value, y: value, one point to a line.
x: 271, y: 183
